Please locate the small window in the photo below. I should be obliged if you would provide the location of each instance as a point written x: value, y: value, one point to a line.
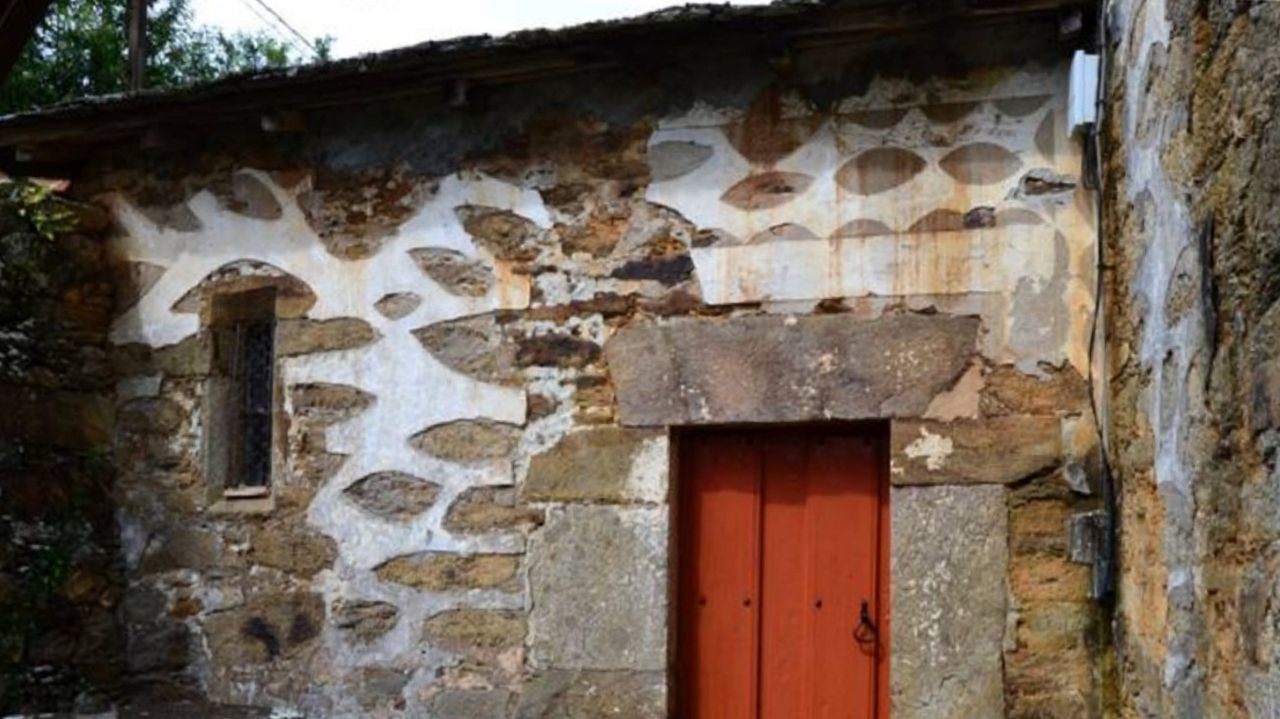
x: 243, y: 392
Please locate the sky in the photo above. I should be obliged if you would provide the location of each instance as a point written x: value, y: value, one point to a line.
x: 361, y: 26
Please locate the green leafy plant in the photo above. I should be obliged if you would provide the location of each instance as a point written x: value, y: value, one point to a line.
x: 37, y: 205
x: 80, y: 50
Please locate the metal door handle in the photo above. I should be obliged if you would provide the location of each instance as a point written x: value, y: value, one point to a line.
x: 865, y: 632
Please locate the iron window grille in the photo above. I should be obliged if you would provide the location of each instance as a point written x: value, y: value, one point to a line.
x: 245, y: 344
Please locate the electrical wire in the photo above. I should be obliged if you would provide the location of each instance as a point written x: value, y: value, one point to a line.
x: 1107, y: 568
x: 287, y: 38
x: 287, y: 26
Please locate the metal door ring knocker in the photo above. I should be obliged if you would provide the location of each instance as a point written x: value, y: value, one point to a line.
x: 865, y: 633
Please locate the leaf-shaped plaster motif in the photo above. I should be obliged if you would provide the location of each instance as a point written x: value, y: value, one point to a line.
x: 766, y: 190
x: 879, y: 170
x: 981, y: 163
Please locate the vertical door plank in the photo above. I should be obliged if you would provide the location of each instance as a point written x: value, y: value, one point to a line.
x: 719, y: 578
x: 885, y: 619
x: 843, y: 511
x: 786, y: 622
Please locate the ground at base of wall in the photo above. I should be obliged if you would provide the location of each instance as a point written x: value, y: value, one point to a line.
x: 163, y: 702
x: 172, y: 709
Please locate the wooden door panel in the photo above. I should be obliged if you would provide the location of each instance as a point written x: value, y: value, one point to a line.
x: 843, y: 507
x: 781, y: 537
x: 718, y: 583
x: 787, y: 572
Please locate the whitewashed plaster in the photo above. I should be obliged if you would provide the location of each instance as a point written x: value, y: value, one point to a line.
x: 995, y: 262
x: 413, y: 390
x: 992, y: 260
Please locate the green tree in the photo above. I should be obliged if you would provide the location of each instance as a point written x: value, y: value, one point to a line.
x: 80, y: 49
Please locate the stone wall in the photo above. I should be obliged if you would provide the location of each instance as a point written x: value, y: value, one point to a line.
x: 60, y: 584
x: 490, y: 319
x: 1191, y: 225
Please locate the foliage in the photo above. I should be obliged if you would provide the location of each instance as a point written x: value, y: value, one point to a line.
x: 56, y: 518
x: 42, y: 548
x: 30, y: 219
x: 37, y: 205
x: 81, y: 49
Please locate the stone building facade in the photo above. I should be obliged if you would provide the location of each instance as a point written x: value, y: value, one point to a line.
x: 1192, y: 228
x: 503, y: 278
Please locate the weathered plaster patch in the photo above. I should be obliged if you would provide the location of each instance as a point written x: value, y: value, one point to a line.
x: 863, y: 241
x: 934, y: 448
x: 1001, y: 450
x: 650, y: 470
x: 994, y: 260
x: 962, y: 400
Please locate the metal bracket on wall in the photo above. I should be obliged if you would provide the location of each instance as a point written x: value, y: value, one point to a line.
x: 1087, y: 543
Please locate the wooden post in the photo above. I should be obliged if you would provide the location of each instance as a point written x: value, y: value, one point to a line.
x: 137, y: 43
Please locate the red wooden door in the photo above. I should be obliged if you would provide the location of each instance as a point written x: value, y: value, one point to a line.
x: 782, y: 537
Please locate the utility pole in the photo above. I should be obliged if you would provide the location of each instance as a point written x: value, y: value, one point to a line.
x: 137, y: 43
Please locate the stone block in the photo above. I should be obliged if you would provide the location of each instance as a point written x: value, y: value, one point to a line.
x: 448, y: 571
x: 1041, y: 578
x: 150, y: 415
x: 157, y: 647
x: 270, y: 625
x: 502, y: 233
x: 618, y: 619
x: 490, y: 509
x: 556, y: 350
x: 1040, y: 527
x: 667, y: 270
x: 140, y: 386
x: 594, y: 695
x: 949, y: 560
x: 1264, y: 370
x: 247, y: 195
x: 1007, y: 390
x: 594, y: 400
x: 394, y: 496
x: 1049, y: 629
x: 474, y: 346
x: 593, y: 465
x: 304, y: 336
x: 996, y: 450
x: 328, y: 403
x: 288, y: 545
x: 365, y: 621
x: 376, y: 687
x: 671, y: 159
x: 468, y: 440
x: 354, y: 212
x: 293, y: 297
x: 475, y: 632
x: 455, y: 272
x: 188, y: 357
x: 396, y: 305
x: 472, y: 704
x: 183, y: 548
x: 786, y: 369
